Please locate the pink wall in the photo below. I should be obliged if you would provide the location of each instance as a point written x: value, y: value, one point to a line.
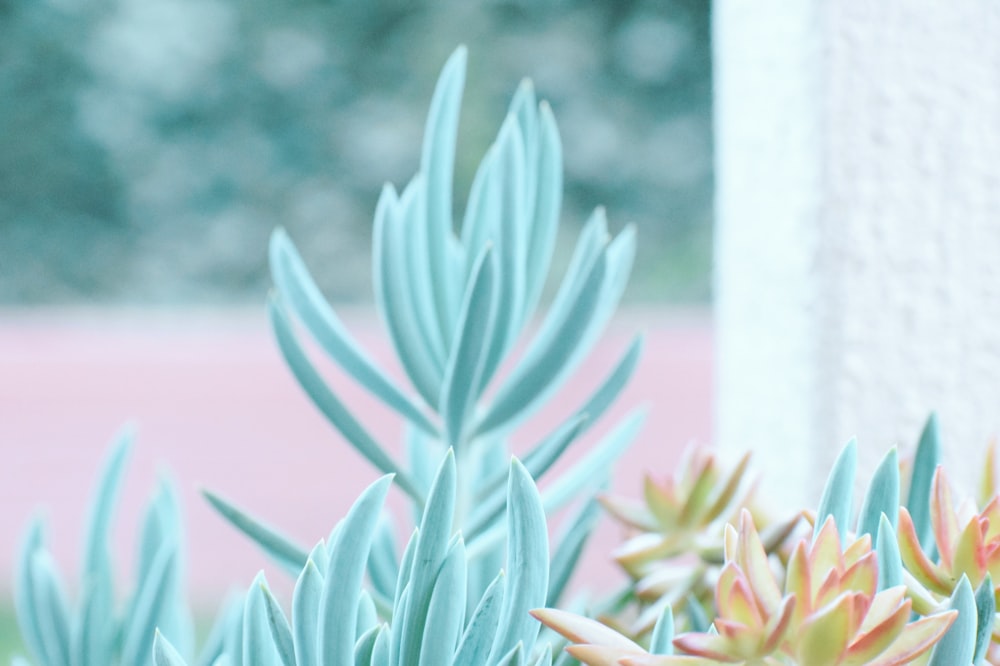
x: 215, y: 407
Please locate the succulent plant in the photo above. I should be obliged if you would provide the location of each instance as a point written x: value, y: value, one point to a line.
x: 676, y: 552
x: 454, y: 305
x: 334, y: 620
x: 96, y: 629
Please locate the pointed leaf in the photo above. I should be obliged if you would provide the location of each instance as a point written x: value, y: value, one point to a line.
x: 882, y: 498
x: 958, y: 645
x: 296, y: 285
x: 481, y: 629
x: 305, y: 615
x: 164, y: 653
x: 345, y: 573
x: 918, y: 501
x: 333, y: 409
x: 838, y: 492
x: 290, y: 556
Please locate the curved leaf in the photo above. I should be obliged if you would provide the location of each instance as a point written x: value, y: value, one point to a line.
x: 259, y: 645
x: 345, y: 573
x: 985, y: 615
x: 305, y: 614
x: 446, y: 610
x: 838, y: 492
x: 150, y: 603
x: 890, y: 562
x: 570, y: 549
x: 918, y: 500
x: 332, y: 407
x: 164, y: 653
x: 481, y: 629
x: 437, y: 162
x: 662, y: 641
x: 527, y: 564
x: 958, y: 645
x: 476, y: 323
x: 296, y: 285
x: 290, y: 556
x: 882, y: 498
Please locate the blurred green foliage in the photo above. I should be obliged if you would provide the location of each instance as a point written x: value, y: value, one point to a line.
x: 147, y: 147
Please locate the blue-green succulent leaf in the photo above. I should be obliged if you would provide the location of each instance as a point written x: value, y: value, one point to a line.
x: 958, y: 645
x: 345, y: 574
x: 511, y: 240
x: 536, y: 376
x: 365, y: 645
x: 547, y: 202
x: 890, y: 563
x: 367, y: 614
x: 985, y: 615
x: 589, y: 248
x: 96, y: 559
x: 482, y: 212
x: 594, y: 468
x: 432, y: 546
x: 527, y: 564
x: 228, y: 624
x: 399, y: 624
x: 332, y: 407
x: 288, y: 555
x: 293, y: 281
x: 515, y: 657
x: 418, y: 272
x: 446, y: 611
x: 380, y: 651
x: 259, y: 645
x: 382, y: 568
x: 164, y: 653
x: 612, y: 386
x: 544, y: 657
x: 662, y: 641
x: 437, y: 162
x: 47, y: 609
x: 465, y: 366
x: 391, y: 257
x: 481, y: 629
x: 697, y: 619
x: 918, y: 501
x: 151, y: 603
x: 882, y: 498
x: 838, y: 492
x: 95, y: 625
x: 277, y: 623
x: 570, y: 549
x: 305, y: 614
x: 493, y: 498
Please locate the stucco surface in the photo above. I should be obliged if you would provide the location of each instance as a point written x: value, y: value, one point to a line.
x: 859, y: 229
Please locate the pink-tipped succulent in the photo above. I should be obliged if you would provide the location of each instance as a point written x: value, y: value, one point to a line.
x: 828, y: 612
x: 967, y: 540
x: 676, y: 549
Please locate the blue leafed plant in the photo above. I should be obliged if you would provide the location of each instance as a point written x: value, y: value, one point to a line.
x: 455, y: 302
x: 334, y: 620
x: 98, y: 628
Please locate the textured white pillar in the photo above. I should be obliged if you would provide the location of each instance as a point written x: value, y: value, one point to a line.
x: 858, y: 230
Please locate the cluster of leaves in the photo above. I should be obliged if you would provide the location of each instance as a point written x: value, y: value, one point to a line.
x: 898, y: 583
x: 455, y: 306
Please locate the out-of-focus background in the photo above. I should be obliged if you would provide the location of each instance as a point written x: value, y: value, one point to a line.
x: 149, y: 147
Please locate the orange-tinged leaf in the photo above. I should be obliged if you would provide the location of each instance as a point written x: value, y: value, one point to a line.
x: 598, y: 655
x: 828, y: 590
x: 730, y: 543
x: 778, y: 625
x: 737, y: 603
x: 825, y: 554
x: 752, y: 560
x: 871, y: 643
x: 883, y: 605
x: 720, y: 501
x: 659, y: 504
x: 707, y: 645
x: 862, y: 576
x: 798, y: 581
x: 861, y: 547
x: 697, y: 498
x: 988, y: 482
x: 915, y: 639
x: 642, y: 549
x: 968, y: 556
x: 943, y: 519
x: 631, y: 513
x: 579, y: 629
x: 822, y: 638
x: 915, y: 560
x: 671, y: 660
x: 991, y: 512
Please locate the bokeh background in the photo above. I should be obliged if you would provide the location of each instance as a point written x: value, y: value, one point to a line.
x: 149, y: 147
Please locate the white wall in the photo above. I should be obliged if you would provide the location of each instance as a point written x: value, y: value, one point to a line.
x: 858, y: 233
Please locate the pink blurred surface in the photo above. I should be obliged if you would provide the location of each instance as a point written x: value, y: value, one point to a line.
x: 215, y: 407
